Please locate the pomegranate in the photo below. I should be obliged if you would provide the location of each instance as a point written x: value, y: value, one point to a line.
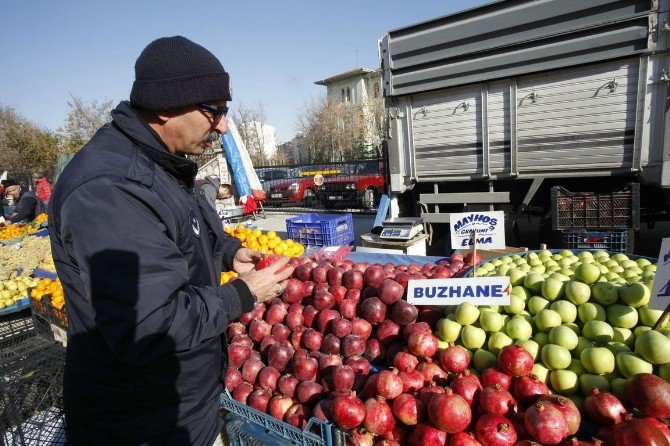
x: 348, y: 411
x: 661, y: 425
x: 294, y: 291
x: 348, y: 308
x: 387, y: 332
x: 650, y: 394
x: 637, y: 431
x: 305, y: 369
x: 427, y: 435
x: 546, y: 424
x: 275, y: 314
x: 340, y: 327
x: 468, y: 386
x: 242, y: 339
x: 374, y: 351
x: 433, y: 372
x: 372, y: 310
x: 324, y: 320
x: 259, y: 329
x: 415, y: 327
x: 389, y: 385
x: 604, y: 407
x: 370, y: 386
x: 454, y: 359
x: 399, y: 433
x: 241, y: 392
x: 353, y: 279
x: 309, y: 392
x: 378, y: 416
x: 250, y: 370
x: 515, y: 360
x: 353, y: 345
x: 405, y: 361
x: 362, y: 438
x: 495, y: 430
x: 309, y: 315
x: 361, y: 327
x: 463, y: 439
x: 449, y: 412
x: 493, y: 375
x: 342, y: 377
x: 281, y: 332
x: 235, y: 328
x: 331, y: 344
x: 423, y: 345
x: 278, y: 405
x: 426, y: 393
x: 409, y: 409
x: 496, y: 400
x: 390, y: 291
x: 404, y: 313
x: 266, y: 343
x: 323, y: 410
x: 233, y: 378
x: 358, y: 364
x: 237, y: 354
x: 412, y: 381
x: 527, y: 389
x: 373, y: 276
x: 334, y: 276
x: 279, y: 355
x: 569, y: 410
x: 327, y: 362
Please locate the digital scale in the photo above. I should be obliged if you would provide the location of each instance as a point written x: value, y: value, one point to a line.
x: 402, y: 228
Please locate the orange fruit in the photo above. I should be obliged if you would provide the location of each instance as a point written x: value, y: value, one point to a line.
x: 272, y: 234
x: 279, y: 250
x: 263, y: 239
x: 257, y: 233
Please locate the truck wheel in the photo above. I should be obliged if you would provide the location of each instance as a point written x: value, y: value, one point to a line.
x: 308, y: 197
x: 369, y: 198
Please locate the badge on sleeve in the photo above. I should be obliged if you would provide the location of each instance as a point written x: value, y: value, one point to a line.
x: 195, y: 223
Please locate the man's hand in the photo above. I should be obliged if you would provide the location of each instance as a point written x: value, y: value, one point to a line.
x: 268, y: 283
x: 245, y: 260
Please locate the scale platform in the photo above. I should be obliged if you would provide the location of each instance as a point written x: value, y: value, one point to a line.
x: 401, y: 228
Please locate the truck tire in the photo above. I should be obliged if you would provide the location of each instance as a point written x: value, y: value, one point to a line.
x: 308, y: 197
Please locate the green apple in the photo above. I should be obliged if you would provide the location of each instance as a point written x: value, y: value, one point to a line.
x: 587, y: 273
x: 546, y: 319
x: 649, y: 316
x: 452, y: 317
x: 503, y: 269
x: 618, y: 388
x: 516, y: 276
x: 566, y: 253
x: 598, y: 360
x: 541, y: 372
x: 472, y: 337
x: 634, y: 294
x: 574, y: 327
x: 564, y: 337
x: 604, y: 293
x: 533, y: 281
x: 567, y: 310
x: 497, y: 341
x: 521, y: 292
x: 537, y: 304
x: 653, y: 346
x: 519, y: 328
x: 491, y: 321
x: 516, y: 304
x: 541, y: 338
x: 577, y: 367
x: 467, y: 314
x: 622, y: 316
x: 540, y: 269
x: 577, y: 292
x: 617, y: 347
x: 558, y: 276
x: 448, y: 330
x: 525, y: 268
x: 564, y: 382
x: 566, y: 272
x: 552, y: 289
x: 483, y: 359
x: 555, y: 357
x: 637, y: 331
x: 629, y: 364
x: 623, y: 335
x: 620, y: 257
x: 664, y: 372
x: 598, y: 331
x: 588, y: 383
x: 591, y: 311
x: 531, y: 346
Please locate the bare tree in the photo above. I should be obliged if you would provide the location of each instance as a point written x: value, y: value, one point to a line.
x: 83, y: 120
x: 250, y: 124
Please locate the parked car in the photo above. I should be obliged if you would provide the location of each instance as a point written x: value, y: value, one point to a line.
x: 292, y: 190
x: 360, y: 184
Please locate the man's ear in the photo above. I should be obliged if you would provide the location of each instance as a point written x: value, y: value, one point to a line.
x: 162, y: 117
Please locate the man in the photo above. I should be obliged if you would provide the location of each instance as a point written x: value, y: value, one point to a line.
x: 28, y: 205
x: 42, y: 187
x: 208, y: 187
x: 225, y: 193
x: 139, y: 254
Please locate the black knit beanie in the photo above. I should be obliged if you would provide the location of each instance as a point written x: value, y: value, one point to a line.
x: 173, y: 72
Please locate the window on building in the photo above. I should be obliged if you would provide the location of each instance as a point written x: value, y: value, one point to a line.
x: 348, y: 94
x: 343, y: 95
x: 375, y: 90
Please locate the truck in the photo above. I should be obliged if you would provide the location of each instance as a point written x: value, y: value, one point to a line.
x: 361, y: 184
x: 530, y: 105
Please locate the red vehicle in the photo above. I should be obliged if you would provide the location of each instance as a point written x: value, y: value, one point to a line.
x: 362, y: 184
x: 292, y: 190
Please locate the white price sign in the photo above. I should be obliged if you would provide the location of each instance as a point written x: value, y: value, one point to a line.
x: 488, y: 228
x: 660, y: 294
x: 477, y: 291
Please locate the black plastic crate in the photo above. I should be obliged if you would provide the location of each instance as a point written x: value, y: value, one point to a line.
x: 43, y: 327
x: 613, y: 241
x: 588, y: 210
x: 15, y: 328
x: 31, y: 393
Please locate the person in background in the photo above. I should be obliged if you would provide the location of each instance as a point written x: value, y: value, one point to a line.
x: 207, y: 187
x: 140, y: 253
x: 28, y: 205
x: 42, y: 187
x: 225, y: 194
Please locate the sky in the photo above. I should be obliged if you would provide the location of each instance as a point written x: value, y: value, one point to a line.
x: 273, y: 50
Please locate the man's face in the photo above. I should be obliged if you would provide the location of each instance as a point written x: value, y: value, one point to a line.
x: 13, y: 191
x: 190, y: 131
x: 224, y: 193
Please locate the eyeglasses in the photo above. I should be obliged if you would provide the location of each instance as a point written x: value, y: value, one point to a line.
x: 217, y: 112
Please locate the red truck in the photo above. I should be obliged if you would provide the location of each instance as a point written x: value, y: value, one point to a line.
x: 360, y: 184
x: 292, y: 190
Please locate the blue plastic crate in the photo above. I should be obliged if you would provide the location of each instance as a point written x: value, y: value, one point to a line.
x: 316, y: 433
x: 321, y: 229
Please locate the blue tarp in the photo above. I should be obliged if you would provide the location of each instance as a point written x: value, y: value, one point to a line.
x: 396, y: 259
x: 236, y: 165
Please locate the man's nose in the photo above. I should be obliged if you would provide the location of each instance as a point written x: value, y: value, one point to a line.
x: 222, y: 126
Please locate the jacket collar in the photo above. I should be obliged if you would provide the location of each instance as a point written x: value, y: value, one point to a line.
x: 130, y: 123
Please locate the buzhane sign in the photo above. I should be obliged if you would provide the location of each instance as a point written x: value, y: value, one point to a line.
x: 660, y: 295
x: 477, y: 291
x: 487, y: 229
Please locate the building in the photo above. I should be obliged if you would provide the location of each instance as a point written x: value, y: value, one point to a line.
x: 354, y: 85
x: 257, y: 136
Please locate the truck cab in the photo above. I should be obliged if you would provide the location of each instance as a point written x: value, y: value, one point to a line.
x: 359, y: 184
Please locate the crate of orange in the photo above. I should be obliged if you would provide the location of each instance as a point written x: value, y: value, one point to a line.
x: 266, y: 242
x: 47, y: 299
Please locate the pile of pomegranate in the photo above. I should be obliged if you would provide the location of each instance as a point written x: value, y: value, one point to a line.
x: 341, y: 344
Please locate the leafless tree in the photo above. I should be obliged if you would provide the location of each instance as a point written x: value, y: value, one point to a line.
x: 82, y: 121
x: 250, y: 122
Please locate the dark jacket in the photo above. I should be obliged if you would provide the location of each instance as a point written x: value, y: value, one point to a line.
x: 28, y: 207
x: 139, y: 255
